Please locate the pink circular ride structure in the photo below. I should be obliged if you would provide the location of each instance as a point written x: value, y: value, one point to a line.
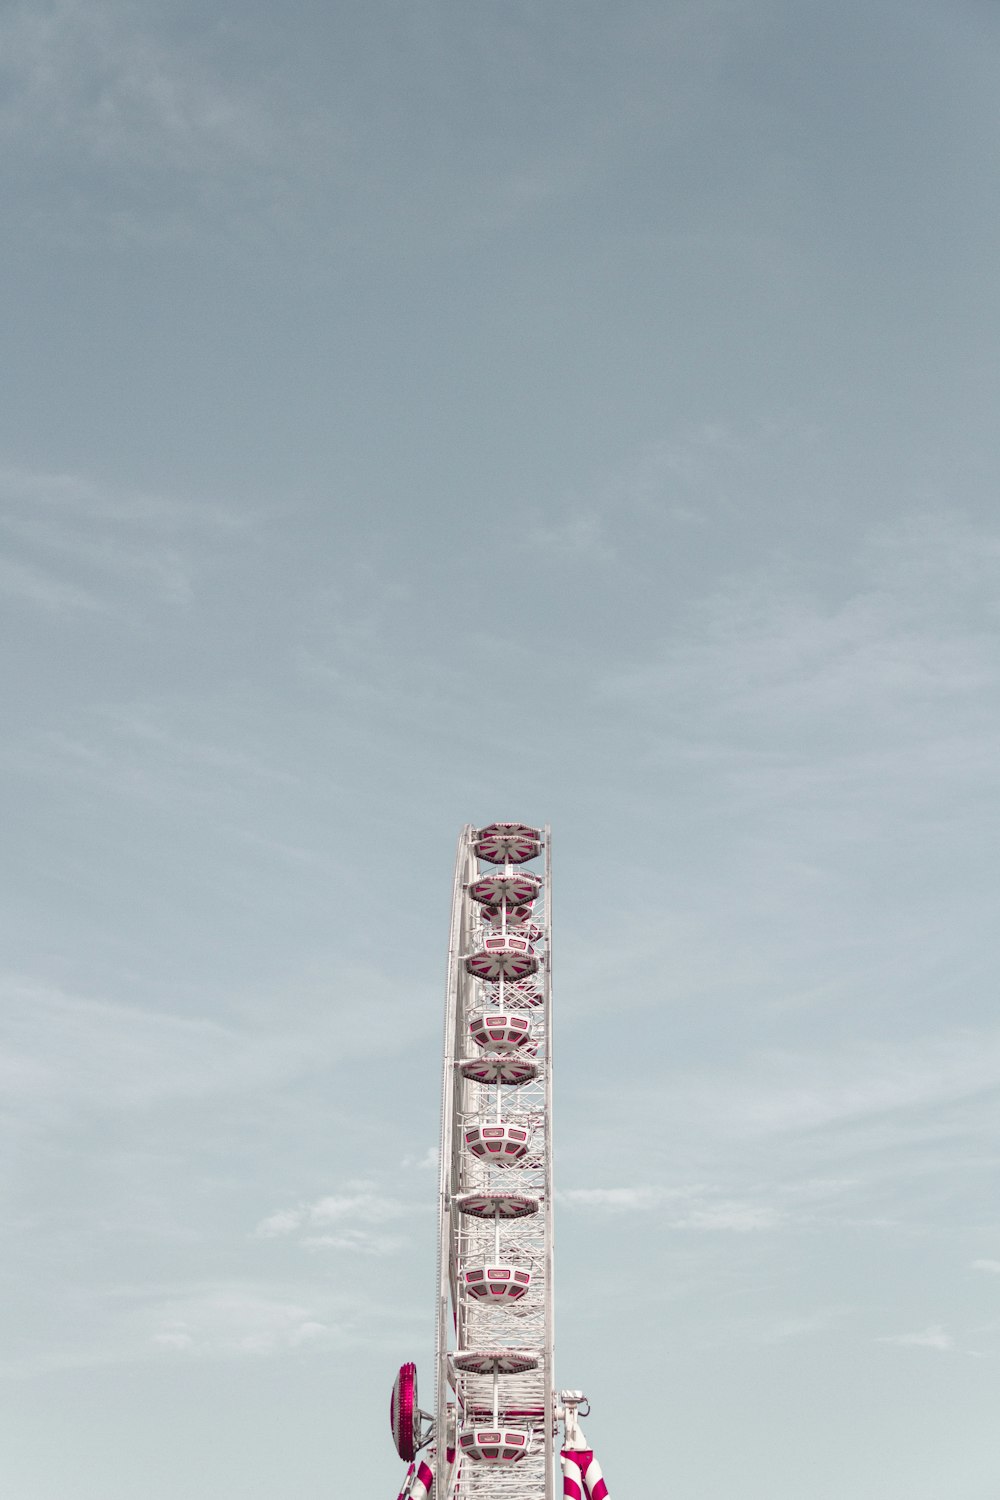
x: 495, y: 1428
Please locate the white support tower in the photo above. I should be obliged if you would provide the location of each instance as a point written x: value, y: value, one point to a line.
x: 492, y: 1434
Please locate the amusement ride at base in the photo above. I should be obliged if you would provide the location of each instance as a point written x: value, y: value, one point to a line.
x: 494, y: 1429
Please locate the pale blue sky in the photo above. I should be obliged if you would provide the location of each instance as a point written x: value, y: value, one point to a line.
x: 420, y: 413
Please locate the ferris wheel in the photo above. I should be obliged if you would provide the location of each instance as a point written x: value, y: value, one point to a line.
x: 492, y: 1432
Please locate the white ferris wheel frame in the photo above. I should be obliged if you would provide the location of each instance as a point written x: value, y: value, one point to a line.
x: 529, y: 1399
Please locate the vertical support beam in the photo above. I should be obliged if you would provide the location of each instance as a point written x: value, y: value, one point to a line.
x: 449, y: 1084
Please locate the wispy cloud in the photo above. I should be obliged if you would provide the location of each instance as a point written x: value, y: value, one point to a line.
x: 730, y: 1216
x: 63, y: 1052
x: 73, y: 545
x: 757, y: 655
x: 625, y: 1199
x: 23, y: 582
x: 890, y: 672
x: 934, y: 1337
x: 765, y: 1329
x: 574, y: 537
x: 921, y: 1089
x: 784, y: 1091
x: 855, y: 1137
x: 203, y: 1319
x: 358, y: 1241
x: 28, y: 495
x: 785, y: 1330
x: 342, y: 1221
x: 992, y: 1266
x: 360, y: 1202
x: 241, y: 1320
x: 424, y: 1163
x: 95, y: 80
x: 680, y: 1208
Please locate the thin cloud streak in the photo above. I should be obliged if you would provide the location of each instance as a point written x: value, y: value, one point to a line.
x: 678, y: 1208
x: 66, y: 1053
x: 361, y: 1204
x: 93, y: 81
x: 75, y: 546
x: 209, y: 1319
x: 935, y: 1337
x: 755, y: 670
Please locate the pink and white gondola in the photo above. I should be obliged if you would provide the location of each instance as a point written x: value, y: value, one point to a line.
x: 501, y: 1144
x: 500, y: 1030
x: 503, y: 955
x: 497, y: 1285
x: 495, y: 1445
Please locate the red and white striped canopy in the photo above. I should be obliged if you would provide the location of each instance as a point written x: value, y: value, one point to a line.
x: 507, y: 843
x: 495, y: 1361
x: 487, y: 1204
x: 505, y: 1067
x: 506, y: 888
x: 507, y: 954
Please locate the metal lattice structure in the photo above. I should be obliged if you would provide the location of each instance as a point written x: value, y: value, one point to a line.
x: 492, y: 1433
